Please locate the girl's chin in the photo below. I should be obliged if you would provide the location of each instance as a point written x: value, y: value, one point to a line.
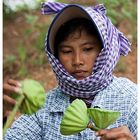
x: 80, y: 78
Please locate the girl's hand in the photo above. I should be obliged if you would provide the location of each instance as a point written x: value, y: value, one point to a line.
x: 9, y: 88
x: 120, y: 133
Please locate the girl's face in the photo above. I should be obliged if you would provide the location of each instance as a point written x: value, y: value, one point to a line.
x: 78, y: 54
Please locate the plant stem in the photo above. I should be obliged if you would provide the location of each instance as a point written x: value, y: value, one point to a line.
x: 92, y: 127
x: 13, y: 113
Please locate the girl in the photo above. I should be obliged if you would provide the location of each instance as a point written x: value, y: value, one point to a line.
x: 83, y: 48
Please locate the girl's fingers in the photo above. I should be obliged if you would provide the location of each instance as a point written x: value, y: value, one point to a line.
x: 9, y: 100
x: 9, y: 88
x: 6, y: 113
x: 101, y: 132
x: 8, y: 104
x: 116, y: 134
x: 14, y: 83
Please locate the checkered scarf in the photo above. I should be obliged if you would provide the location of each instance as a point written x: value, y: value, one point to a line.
x: 114, y: 45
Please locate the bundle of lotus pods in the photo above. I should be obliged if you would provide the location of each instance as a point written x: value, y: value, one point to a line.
x: 31, y: 99
x: 78, y: 117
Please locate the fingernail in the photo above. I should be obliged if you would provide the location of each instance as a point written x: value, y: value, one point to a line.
x: 97, y: 134
x: 19, y: 84
x: 17, y: 89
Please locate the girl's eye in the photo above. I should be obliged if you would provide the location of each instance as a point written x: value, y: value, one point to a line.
x: 66, y: 51
x: 88, y: 49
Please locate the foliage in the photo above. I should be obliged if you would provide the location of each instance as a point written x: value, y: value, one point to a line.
x: 117, y: 10
x: 121, y: 66
x: 10, y: 59
x: 31, y: 19
x: 36, y: 28
x: 8, y: 63
x: 127, y: 8
x: 120, y: 10
x: 35, y: 36
x: 22, y: 53
x: 7, y: 12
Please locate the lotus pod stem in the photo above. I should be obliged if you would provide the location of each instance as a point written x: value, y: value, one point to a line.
x: 11, y: 117
x: 92, y: 127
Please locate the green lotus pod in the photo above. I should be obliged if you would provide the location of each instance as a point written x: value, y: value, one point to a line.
x: 102, y: 118
x: 34, y: 96
x: 31, y: 99
x: 75, y: 118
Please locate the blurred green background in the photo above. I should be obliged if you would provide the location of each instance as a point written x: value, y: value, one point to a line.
x: 24, y: 31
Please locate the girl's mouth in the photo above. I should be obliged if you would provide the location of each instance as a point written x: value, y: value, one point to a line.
x: 79, y: 74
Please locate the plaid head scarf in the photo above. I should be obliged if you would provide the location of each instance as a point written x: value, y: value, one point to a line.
x: 114, y: 45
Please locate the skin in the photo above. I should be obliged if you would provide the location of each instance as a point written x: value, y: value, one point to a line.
x: 9, y: 87
x: 120, y: 133
x: 78, y: 56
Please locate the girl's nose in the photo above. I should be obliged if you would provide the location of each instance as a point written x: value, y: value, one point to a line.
x: 77, y: 59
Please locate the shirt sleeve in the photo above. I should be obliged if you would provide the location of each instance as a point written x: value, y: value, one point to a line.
x: 26, y: 127
x: 132, y: 119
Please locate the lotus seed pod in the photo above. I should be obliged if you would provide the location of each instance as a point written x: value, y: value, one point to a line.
x: 102, y: 118
x: 34, y: 96
x: 75, y: 118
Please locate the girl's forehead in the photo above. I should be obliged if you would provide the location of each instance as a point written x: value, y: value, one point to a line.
x: 80, y: 40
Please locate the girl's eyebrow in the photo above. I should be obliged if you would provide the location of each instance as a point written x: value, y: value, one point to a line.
x: 89, y: 43
x: 65, y: 46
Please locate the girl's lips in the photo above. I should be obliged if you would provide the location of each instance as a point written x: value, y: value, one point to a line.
x: 79, y: 74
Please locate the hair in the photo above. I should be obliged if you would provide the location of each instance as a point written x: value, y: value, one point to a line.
x: 70, y: 27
